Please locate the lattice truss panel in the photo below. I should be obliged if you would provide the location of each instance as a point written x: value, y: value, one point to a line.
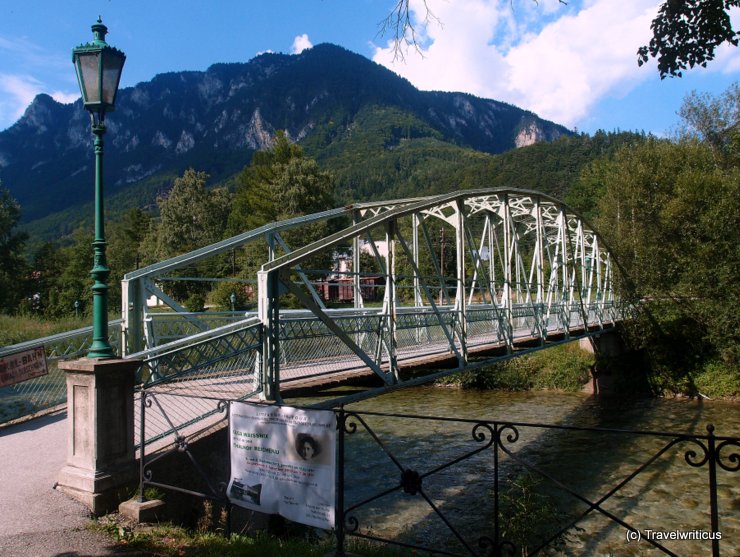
x: 215, y: 364
x: 183, y: 378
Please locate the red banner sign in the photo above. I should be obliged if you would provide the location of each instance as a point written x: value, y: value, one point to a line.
x: 22, y: 366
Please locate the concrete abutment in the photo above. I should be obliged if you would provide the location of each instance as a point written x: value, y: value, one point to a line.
x: 101, y: 467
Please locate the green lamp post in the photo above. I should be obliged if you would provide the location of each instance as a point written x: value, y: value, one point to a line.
x: 99, y: 67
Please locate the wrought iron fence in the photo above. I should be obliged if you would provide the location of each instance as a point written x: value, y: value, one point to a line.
x: 462, y: 488
x: 480, y: 488
x: 49, y: 391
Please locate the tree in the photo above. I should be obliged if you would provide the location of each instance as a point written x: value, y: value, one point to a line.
x: 126, y: 249
x: 47, y: 266
x: 253, y: 205
x: 280, y: 183
x: 190, y: 215
x: 687, y: 33
x: 670, y: 214
x: 13, y: 269
x: 71, y: 280
x: 714, y: 121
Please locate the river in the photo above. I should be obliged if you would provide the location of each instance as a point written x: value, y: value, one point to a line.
x: 667, y: 498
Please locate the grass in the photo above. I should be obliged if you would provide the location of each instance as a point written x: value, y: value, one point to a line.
x: 20, y: 328
x: 168, y: 540
x: 716, y: 379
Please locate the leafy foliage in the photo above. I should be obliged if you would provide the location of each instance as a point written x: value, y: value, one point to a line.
x: 687, y: 33
x: 190, y: 215
x: 670, y: 213
x: 714, y: 120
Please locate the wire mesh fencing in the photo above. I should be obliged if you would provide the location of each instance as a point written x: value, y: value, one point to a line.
x: 49, y: 391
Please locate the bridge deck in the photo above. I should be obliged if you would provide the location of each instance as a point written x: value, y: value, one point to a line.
x: 191, y: 406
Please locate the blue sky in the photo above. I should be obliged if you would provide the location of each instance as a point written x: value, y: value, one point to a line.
x: 574, y: 64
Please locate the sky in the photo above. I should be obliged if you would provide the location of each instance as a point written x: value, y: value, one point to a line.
x: 573, y: 63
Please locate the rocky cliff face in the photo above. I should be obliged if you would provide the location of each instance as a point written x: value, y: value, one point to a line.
x: 197, y: 118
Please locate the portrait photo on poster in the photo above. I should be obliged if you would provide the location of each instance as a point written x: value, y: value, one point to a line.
x: 311, y: 448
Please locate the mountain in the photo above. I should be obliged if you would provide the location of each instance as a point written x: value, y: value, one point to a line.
x: 346, y: 110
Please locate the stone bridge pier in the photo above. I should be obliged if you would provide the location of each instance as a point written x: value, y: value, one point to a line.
x: 607, y: 345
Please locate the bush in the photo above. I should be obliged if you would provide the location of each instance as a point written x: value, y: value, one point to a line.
x: 195, y: 302
x: 563, y: 368
x: 718, y: 380
x: 221, y: 296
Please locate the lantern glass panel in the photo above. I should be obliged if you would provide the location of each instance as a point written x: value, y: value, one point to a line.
x: 112, y: 68
x: 89, y: 77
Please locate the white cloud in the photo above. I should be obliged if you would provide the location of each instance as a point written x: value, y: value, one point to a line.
x: 557, y: 62
x: 64, y: 97
x: 16, y: 92
x: 28, y: 70
x: 301, y: 43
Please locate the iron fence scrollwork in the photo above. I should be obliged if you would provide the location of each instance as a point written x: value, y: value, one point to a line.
x: 501, y: 449
x: 499, y: 437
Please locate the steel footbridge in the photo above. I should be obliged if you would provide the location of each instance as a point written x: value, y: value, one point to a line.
x: 400, y: 292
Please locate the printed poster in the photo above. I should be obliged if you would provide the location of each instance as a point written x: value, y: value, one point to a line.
x: 283, y: 462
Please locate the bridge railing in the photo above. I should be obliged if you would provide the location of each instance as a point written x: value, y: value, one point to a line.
x: 219, y: 363
x: 49, y: 391
x: 168, y: 326
x: 309, y: 348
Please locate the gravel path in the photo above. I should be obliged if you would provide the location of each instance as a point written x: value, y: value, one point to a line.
x: 35, y: 519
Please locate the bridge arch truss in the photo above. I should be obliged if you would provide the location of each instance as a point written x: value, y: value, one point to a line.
x: 453, y: 281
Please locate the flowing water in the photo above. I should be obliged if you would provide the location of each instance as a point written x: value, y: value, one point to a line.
x: 667, y: 498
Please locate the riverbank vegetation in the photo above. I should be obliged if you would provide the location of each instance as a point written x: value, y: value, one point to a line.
x: 670, y: 212
x: 170, y: 540
x: 561, y: 368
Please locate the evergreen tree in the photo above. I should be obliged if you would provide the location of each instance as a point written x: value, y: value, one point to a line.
x: 190, y: 216
x: 13, y: 269
x: 253, y: 205
x: 280, y: 184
